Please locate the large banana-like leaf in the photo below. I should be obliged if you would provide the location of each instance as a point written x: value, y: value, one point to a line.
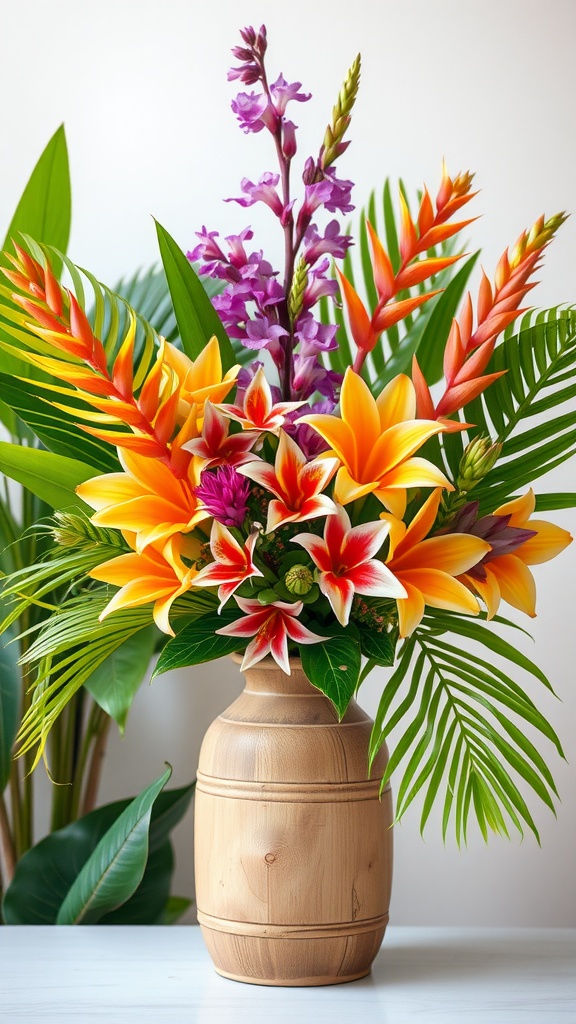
x: 52, y: 478
x: 465, y: 728
x: 195, y: 315
x: 539, y: 387
x: 47, y: 872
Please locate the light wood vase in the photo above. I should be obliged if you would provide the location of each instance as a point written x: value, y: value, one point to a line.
x: 293, y: 850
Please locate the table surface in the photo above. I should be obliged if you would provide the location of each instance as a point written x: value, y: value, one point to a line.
x: 164, y: 976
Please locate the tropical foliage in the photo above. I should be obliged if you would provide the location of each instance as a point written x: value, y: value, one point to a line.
x: 102, y: 875
x: 289, y: 469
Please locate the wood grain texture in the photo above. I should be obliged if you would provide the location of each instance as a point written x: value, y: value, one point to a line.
x: 293, y: 852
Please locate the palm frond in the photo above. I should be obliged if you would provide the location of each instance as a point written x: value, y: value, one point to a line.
x: 464, y: 725
x: 540, y: 361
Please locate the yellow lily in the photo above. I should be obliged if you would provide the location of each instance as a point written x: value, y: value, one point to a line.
x: 507, y: 577
x: 157, y: 575
x: 426, y: 566
x: 147, y: 499
x: 375, y: 440
x: 199, y: 379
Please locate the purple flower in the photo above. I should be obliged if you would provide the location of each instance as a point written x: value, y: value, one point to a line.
x: 283, y: 92
x: 263, y: 192
x: 306, y: 438
x: 261, y: 332
x: 251, y: 56
x: 237, y: 252
x: 339, y: 200
x: 314, y: 336
x: 254, y: 112
x: 331, y: 243
x: 288, y: 139
x: 503, y: 539
x: 225, y: 494
x: 319, y: 285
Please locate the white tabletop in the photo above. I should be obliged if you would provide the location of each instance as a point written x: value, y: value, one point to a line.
x: 164, y: 975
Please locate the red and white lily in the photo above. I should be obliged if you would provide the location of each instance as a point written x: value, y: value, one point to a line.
x: 217, y: 446
x: 346, y: 563
x: 270, y: 626
x: 258, y: 410
x: 296, y: 483
x: 232, y: 563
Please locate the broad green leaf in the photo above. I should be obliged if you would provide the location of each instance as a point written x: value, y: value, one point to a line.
x: 115, y: 869
x: 10, y: 695
x: 46, y: 873
x: 195, y: 315
x: 51, y: 477
x: 197, y: 643
x: 115, y: 682
x: 334, y: 667
x: 379, y: 647
x: 149, y: 902
x: 44, y: 210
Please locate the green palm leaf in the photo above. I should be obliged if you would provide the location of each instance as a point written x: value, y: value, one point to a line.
x: 464, y: 739
x: 538, y: 386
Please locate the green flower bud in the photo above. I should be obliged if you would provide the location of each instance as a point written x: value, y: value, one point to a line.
x: 478, y: 459
x: 299, y: 580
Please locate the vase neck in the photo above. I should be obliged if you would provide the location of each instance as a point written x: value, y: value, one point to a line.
x: 267, y: 677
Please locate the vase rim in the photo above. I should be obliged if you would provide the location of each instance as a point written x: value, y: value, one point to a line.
x: 268, y: 662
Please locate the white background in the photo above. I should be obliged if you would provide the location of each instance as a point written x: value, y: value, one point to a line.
x: 142, y: 90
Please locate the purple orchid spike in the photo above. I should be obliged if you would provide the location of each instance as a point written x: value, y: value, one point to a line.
x: 225, y: 494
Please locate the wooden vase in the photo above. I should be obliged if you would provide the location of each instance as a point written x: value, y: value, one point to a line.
x: 293, y: 854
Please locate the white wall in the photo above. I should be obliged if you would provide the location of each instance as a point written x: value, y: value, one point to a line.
x: 142, y: 90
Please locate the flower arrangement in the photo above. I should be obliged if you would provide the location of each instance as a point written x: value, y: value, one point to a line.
x: 301, y: 468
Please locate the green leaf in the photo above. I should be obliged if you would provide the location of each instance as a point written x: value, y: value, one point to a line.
x: 46, y: 873
x: 334, y: 667
x: 10, y: 686
x: 115, y: 682
x: 44, y: 211
x: 55, y: 428
x: 115, y: 869
x: 51, y: 477
x: 195, y: 315
x: 175, y: 909
x: 379, y: 647
x: 198, y: 642
x: 149, y: 902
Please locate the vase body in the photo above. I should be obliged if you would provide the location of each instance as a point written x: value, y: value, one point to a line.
x: 293, y: 855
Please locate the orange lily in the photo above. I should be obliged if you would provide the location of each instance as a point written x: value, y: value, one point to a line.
x: 156, y: 575
x: 375, y: 440
x: 147, y: 499
x: 295, y: 483
x: 507, y: 577
x: 200, y: 379
x: 426, y: 566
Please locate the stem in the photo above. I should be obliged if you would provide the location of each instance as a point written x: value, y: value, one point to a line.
x: 7, y: 849
x: 96, y: 762
x: 90, y: 733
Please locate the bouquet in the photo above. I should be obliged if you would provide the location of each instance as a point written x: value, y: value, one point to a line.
x: 328, y: 461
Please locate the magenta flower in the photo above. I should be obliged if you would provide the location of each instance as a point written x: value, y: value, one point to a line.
x: 263, y: 192
x: 284, y: 92
x: 331, y: 243
x: 254, y: 112
x: 271, y: 626
x: 251, y: 55
x: 224, y: 494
